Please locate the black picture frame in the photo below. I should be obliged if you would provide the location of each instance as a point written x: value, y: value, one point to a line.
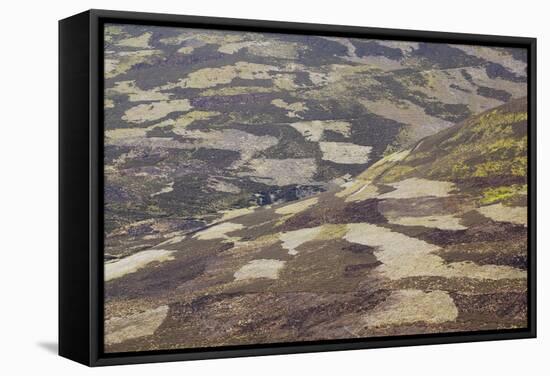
x: 81, y: 186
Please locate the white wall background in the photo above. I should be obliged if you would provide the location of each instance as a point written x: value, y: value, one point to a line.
x: 28, y: 186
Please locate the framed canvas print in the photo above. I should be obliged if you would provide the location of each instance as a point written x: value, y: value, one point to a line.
x: 237, y: 187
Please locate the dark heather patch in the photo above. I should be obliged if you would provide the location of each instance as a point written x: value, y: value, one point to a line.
x: 487, y: 232
x: 497, y: 94
x: 501, y: 306
x: 518, y: 53
x: 200, y: 303
x: 256, y: 285
x: 363, y: 49
x: 467, y: 76
x: 110, y: 153
x: 197, y: 305
x: 301, y: 220
x: 370, y: 298
x: 450, y: 112
x: 185, y: 199
x: 319, y: 267
x: 188, y: 224
x: 351, y: 270
x: 291, y: 144
x: 251, y: 328
x: 301, y: 319
x: 495, y: 70
x: 147, y: 158
x: 238, y: 81
x: 327, y: 170
x: 383, y: 188
x: 369, y: 127
x: 142, y: 229
x: 216, y: 157
x: 155, y: 281
x: 487, y: 258
x: 359, y: 248
x: 323, y: 309
x: 480, y: 286
x: 302, y: 79
x: 473, y: 218
x: 160, y: 132
x: 456, y: 87
x: 114, y: 193
x: 363, y: 211
x: 273, y: 251
x: 445, y: 56
x: 226, y: 246
x: 320, y: 51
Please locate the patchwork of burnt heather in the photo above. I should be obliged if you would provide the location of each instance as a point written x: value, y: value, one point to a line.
x: 264, y: 188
